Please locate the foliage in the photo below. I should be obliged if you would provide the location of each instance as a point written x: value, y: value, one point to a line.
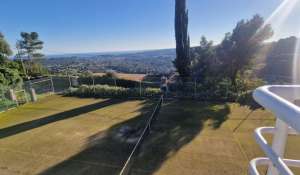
x: 111, y: 91
x: 106, y: 80
x: 214, y: 89
x: 86, y: 74
x: 9, y: 77
x: 5, y: 50
x: 9, y: 74
x: 6, y: 104
x: 225, y: 89
x: 30, y: 45
x: 203, y: 59
x: 9, y: 70
x: 111, y: 74
x: 182, y: 61
x: 35, y: 68
x: 239, y: 47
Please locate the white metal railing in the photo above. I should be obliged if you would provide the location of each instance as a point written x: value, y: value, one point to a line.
x: 280, y: 100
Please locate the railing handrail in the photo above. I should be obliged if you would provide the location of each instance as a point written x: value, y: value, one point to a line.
x: 285, y: 110
x: 280, y: 100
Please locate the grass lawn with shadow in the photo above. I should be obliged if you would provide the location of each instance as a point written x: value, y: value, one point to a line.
x: 73, y: 136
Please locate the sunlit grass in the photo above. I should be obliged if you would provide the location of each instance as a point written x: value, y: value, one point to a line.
x: 72, y: 135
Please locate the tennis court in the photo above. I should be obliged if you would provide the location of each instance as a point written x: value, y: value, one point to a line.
x: 60, y: 135
x: 63, y: 135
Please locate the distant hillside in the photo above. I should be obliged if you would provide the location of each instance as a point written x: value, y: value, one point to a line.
x: 152, y: 61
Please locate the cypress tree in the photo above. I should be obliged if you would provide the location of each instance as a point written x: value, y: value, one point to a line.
x: 182, y: 61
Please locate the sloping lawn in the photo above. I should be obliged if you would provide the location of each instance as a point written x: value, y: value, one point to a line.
x: 63, y: 135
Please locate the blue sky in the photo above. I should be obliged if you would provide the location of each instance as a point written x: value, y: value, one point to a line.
x: 74, y: 26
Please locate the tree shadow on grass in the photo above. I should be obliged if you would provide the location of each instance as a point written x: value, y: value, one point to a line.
x: 178, y: 123
x: 22, y: 127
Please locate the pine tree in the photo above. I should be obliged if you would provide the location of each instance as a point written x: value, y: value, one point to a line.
x: 238, y: 48
x: 29, y: 47
x: 30, y: 44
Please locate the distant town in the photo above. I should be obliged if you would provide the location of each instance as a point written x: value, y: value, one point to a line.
x: 146, y: 62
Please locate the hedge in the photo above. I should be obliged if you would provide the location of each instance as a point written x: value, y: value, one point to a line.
x: 98, y: 91
x: 105, y: 80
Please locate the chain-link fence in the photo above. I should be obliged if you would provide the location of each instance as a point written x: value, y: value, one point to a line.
x: 218, y: 90
x: 41, y: 86
x: 171, y: 87
x: 15, y: 95
x: 6, y: 102
x: 12, y: 96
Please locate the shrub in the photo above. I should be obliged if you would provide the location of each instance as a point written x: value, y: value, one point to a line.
x: 111, y: 91
x: 210, y: 89
x: 6, y: 104
x: 223, y: 90
x: 106, y: 80
x: 111, y: 74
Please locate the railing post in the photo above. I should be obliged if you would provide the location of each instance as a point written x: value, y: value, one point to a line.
x: 93, y: 79
x: 195, y: 88
x: 52, y: 84
x: 70, y: 82
x: 279, y: 143
x: 33, y: 95
x: 140, y: 88
x: 13, y: 97
x: 115, y: 81
x: 74, y: 81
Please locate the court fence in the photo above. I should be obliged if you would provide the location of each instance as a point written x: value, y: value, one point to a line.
x: 32, y: 90
x: 191, y: 89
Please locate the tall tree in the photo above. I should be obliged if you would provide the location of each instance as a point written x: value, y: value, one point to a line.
x: 9, y: 70
x: 239, y: 47
x: 203, y: 58
x: 30, y: 44
x: 182, y: 61
x: 5, y: 50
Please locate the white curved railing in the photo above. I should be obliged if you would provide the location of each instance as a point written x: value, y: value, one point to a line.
x: 281, y: 100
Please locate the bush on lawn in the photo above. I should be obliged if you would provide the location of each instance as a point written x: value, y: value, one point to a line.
x: 6, y: 104
x: 111, y: 91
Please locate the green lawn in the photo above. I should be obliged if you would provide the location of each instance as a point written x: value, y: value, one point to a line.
x: 64, y: 135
